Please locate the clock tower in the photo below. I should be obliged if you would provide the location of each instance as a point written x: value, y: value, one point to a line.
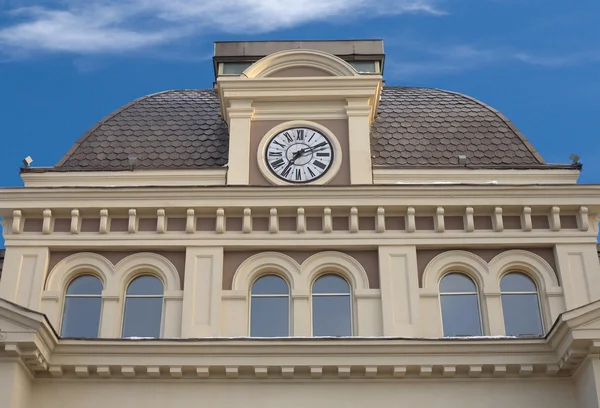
x: 299, y: 112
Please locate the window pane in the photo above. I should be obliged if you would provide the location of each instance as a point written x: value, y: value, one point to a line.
x: 363, y: 66
x: 460, y: 315
x: 522, y: 315
x: 235, y: 68
x: 332, y: 316
x: 331, y: 284
x: 270, y: 317
x: 270, y: 285
x: 85, y: 285
x: 142, y: 317
x: 81, y: 317
x: 145, y: 285
x: 457, y: 282
x: 517, y: 282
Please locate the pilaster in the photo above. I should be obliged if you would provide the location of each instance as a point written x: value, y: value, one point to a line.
x: 359, y: 129
x: 202, y: 292
x: 398, y: 275
x: 23, y: 275
x: 579, y: 273
x: 587, y: 384
x: 239, y: 116
x: 15, y: 385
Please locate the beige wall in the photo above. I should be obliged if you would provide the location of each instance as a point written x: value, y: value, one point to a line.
x: 176, y: 257
x: 424, y: 256
x: 368, y: 259
x: 299, y: 72
x: 317, y: 394
x: 259, y: 129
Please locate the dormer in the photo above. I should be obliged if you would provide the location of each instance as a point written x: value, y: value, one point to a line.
x: 299, y: 91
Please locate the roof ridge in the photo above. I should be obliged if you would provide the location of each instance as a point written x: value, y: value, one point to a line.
x: 108, y: 117
x: 504, y: 119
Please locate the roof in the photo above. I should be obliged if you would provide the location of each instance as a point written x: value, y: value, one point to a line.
x: 415, y: 127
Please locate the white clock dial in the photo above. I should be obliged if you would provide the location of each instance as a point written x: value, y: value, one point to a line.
x: 299, y: 155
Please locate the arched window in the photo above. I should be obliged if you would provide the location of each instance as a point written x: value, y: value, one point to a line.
x: 270, y: 307
x: 460, y: 306
x: 520, y: 305
x: 331, y: 307
x: 83, y: 303
x: 143, y: 307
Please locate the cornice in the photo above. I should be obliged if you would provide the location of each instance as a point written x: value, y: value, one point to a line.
x: 475, y: 176
x: 206, y: 177
x: 573, y: 338
x: 398, y: 196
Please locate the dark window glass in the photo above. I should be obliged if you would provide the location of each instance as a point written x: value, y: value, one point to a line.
x: 457, y: 283
x: 331, y: 307
x: 270, y: 307
x: 143, y: 307
x: 520, y: 306
x: 460, y: 306
x: 83, y: 304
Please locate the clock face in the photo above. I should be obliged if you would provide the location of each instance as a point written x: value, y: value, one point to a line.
x: 299, y: 155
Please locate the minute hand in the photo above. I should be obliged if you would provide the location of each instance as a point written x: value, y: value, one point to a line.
x: 313, y: 148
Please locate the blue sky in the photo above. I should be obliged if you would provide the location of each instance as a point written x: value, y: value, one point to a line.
x: 65, y: 64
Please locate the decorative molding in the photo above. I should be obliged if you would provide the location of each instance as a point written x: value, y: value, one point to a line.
x: 555, y: 218
x: 438, y: 220
x: 469, y: 219
x: 47, y: 223
x: 327, y: 220
x: 17, y: 222
x: 75, y: 224
x: 474, y: 176
x: 353, y: 220
x: 320, y: 60
x: 161, y: 221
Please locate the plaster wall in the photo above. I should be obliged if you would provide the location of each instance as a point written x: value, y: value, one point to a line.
x: 270, y: 394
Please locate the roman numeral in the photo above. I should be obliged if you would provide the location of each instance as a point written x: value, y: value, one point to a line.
x: 323, y: 154
x: 311, y: 172
x: 278, y: 144
x: 298, y: 174
x: 300, y: 134
x: 288, y: 137
x: 319, y: 164
x: 286, y: 172
x: 277, y: 164
x: 311, y: 138
x: 275, y: 154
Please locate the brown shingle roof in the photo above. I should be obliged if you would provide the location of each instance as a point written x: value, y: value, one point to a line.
x: 414, y: 127
x: 431, y: 127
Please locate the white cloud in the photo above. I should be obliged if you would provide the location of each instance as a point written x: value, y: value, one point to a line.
x: 102, y: 26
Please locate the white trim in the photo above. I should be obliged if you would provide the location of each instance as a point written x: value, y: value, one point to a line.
x: 146, y: 178
x: 325, y: 178
x: 474, y: 176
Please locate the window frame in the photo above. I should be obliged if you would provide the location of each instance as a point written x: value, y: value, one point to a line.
x: 289, y: 296
x: 537, y: 293
x: 66, y: 295
x: 126, y: 296
x: 477, y: 294
x: 349, y: 294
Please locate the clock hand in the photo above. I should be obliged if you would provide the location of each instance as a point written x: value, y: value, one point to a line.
x: 315, y: 148
x: 294, y: 158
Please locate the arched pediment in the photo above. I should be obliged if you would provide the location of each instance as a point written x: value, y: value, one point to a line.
x: 296, y: 62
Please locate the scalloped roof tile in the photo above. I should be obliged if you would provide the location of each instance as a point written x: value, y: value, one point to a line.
x: 414, y: 127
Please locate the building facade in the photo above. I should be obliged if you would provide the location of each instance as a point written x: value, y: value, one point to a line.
x: 302, y: 234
